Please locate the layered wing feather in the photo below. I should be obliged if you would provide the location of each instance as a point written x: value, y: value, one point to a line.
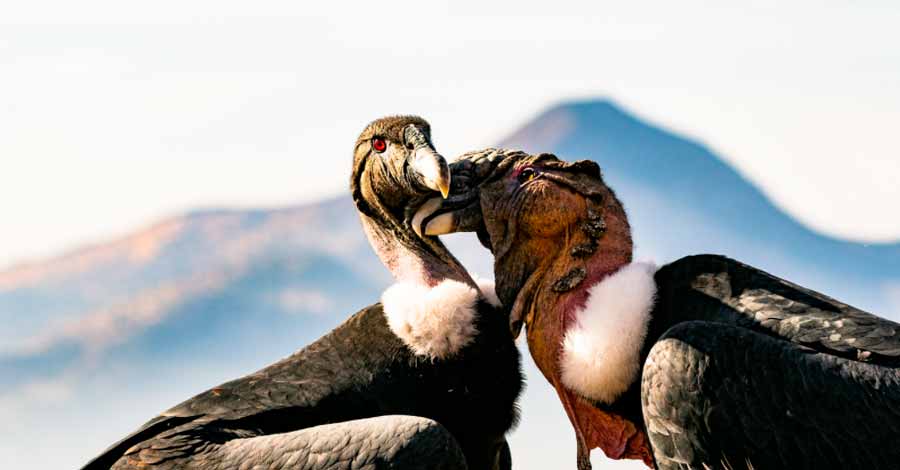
x: 751, y: 369
x: 721, y: 396
x: 399, y: 442
x: 719, y: 289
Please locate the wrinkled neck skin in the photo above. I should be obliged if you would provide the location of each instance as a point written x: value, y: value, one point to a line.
x: 548, y: 313
x: 549, y: 310
x: 413, y: 259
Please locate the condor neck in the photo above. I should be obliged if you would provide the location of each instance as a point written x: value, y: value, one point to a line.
x: 614, y: 249
x: 413, y: 259
x: 558, y: 289
x: 552, y: 306
x: 596, y: 268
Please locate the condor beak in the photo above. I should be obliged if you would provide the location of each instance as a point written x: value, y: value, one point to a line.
x: 430, y: 167
x: 457, y: 213
x: 460, y: 211
x: 433, y: 169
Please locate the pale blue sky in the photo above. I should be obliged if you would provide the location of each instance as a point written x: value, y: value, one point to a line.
x: 114, y: 113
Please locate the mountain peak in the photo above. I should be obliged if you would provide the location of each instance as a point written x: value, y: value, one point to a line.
x: 551, y: 126
x: 641, y: 159
x: 588, y: 107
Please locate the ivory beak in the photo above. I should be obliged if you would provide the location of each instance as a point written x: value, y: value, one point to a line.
x: 433, y: 169
x: 440, y: 225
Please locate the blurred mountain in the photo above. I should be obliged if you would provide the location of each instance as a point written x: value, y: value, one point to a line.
x: 103, y: 338
x: 99, y: 340
x: 682, y: 198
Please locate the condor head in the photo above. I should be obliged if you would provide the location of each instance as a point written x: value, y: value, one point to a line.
x: 555, y: 228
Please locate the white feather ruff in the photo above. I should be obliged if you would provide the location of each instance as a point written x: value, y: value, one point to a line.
x: 601, y: 350
x: 433, y: 322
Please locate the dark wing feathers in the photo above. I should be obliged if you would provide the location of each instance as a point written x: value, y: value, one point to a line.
x: 336, y: 363
x: 747, y: 367
x: 298, y: 391
x: 400, y: 442
x: 716, y: 288
x: 359, y: 370
x: 713, y: 392
x: 149, y: 430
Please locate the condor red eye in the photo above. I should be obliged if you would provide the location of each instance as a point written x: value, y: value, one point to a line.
x: 379, y: 144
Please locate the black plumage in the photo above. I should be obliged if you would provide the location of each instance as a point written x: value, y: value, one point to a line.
x: 743, y: 367
x: 360, y: 370
x: 357, y: 397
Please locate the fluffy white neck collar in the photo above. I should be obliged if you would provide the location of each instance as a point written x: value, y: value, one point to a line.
x: 436, y: 322
x: 601, y: 350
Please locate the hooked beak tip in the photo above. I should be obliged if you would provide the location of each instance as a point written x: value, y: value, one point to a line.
x: 444, y: 187
x: 433, y: 170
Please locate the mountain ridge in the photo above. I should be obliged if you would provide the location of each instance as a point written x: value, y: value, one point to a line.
x: 638, y: 157
x: 537, y: 130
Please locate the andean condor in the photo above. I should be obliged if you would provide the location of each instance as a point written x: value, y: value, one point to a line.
x: 428, y: 379
x: 704, y: 363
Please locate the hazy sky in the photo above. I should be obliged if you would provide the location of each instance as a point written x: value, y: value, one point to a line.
x: 116, y: 113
